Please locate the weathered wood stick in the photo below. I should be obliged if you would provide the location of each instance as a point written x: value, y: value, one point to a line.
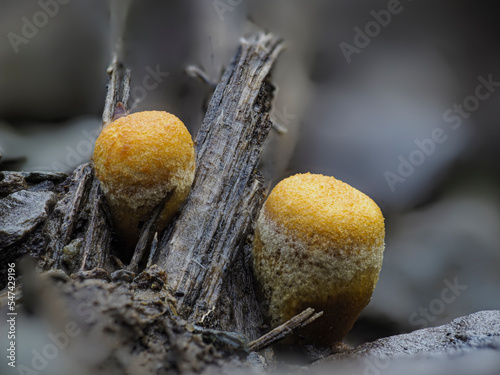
x: 97, y: 243
x: 61, y: 224
x: 217, y: 216
x: 147, y: 233
x: 82, y: 211
x: 279, y: 333
x: 118, y: 93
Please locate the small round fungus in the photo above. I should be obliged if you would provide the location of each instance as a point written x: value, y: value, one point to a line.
x: 139, y: 159
x: 318, y: 243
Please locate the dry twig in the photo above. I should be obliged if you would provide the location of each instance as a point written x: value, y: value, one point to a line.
x: 279, y: 333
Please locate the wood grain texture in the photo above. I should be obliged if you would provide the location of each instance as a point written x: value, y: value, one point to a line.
x: 216, y: 219
x: 80, y: 218
x: 206, y: 250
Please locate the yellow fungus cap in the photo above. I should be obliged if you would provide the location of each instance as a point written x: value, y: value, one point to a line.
x: 318, y: 243
x: 326, y: 209
x: 138, y: 160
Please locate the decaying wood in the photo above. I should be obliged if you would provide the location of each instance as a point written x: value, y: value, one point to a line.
x: 147, y: 233
x: 226, y: 194
x: 279, y: 333
x: 61, y: 224
x: 206, y: 251
x: 238, y: 309
x: 97, y: 243
x: 118, y: 92
x: 82, y: 212
x: 78, y: 231
x: 26, y: 201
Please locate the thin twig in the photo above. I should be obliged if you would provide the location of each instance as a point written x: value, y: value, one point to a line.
x: 152, y: 251
x: 278, y: 128
x: 196, y: 72
x: 147, y: 234
x: 311, y: 319
x: 118, y: 91
x: 298, y: 321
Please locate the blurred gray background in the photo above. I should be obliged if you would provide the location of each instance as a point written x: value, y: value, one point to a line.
x: 397, y: 98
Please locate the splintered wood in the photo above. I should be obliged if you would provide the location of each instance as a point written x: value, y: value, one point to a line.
x: 209, y: 234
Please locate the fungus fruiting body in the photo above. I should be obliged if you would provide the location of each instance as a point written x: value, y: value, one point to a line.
x: 139, y: 160
x: 318, y: 243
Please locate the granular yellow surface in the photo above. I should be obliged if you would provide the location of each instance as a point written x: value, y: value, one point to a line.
x: 318, y: 243
x: 139, y: 159
x: 142, y: 150
x: 319, y: 208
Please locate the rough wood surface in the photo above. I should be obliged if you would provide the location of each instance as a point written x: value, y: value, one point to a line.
x: 226, y: 195
x: 206, y: 251
x: 97, y: 241
x: 118, y: 92
x: 146, y: 235
x: 29, y: 200
x: 61, y: 224
x: 79, y: 230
